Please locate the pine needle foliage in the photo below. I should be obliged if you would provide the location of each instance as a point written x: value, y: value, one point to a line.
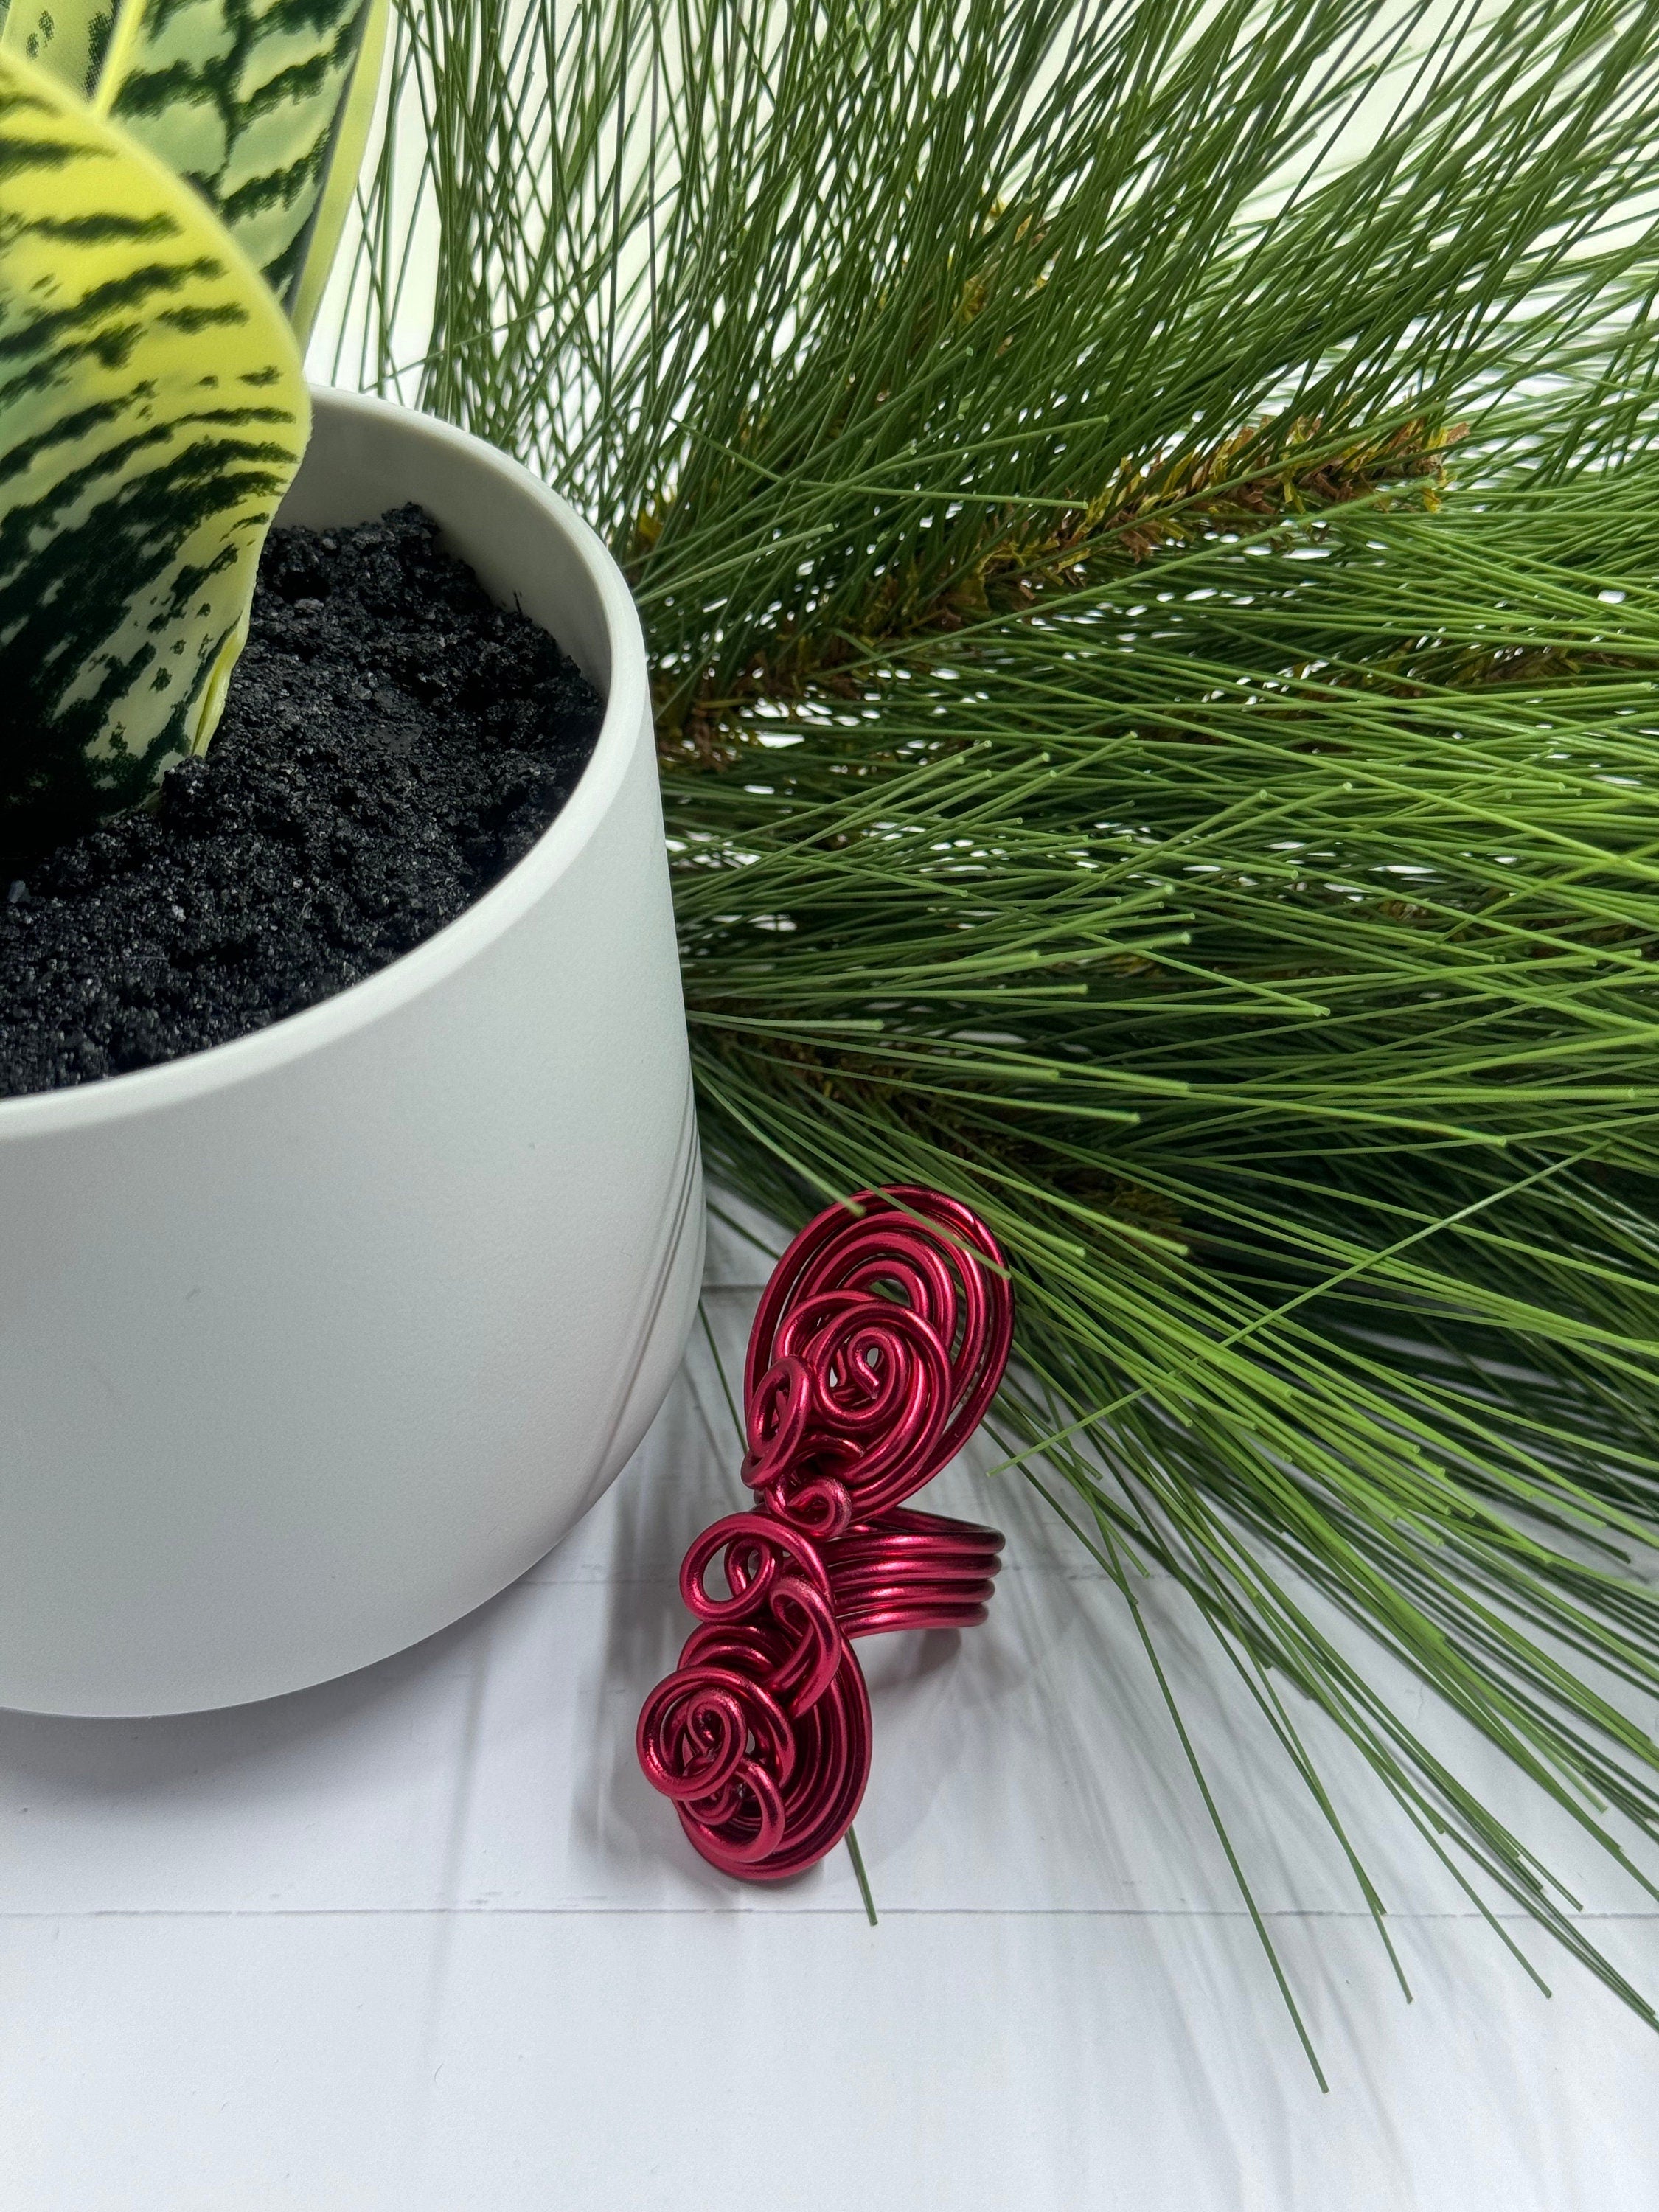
x: 1146, y: 515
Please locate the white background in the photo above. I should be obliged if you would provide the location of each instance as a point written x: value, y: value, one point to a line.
x: 423, y: 1938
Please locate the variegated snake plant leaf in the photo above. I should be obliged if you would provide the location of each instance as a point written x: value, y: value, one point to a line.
x: 173, y: 184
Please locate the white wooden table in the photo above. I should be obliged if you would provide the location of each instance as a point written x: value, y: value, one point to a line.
x: 422, y: 1941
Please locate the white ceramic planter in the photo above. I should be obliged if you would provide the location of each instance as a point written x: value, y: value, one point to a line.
x: 310, y: 1343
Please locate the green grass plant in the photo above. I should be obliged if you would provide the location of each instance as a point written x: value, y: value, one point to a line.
x: 1146, y: 516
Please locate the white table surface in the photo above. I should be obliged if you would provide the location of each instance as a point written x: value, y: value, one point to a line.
x: 422, y: 1940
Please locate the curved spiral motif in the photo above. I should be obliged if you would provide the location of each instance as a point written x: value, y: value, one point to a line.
x: 877, y: 1346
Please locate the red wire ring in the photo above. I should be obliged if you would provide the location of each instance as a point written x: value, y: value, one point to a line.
x: 949, y: 1266
x: 877, y: 1345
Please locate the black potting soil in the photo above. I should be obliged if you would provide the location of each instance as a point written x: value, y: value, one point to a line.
x: 391, y: 745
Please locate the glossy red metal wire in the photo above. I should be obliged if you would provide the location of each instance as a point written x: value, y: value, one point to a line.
x: 877, y: 1347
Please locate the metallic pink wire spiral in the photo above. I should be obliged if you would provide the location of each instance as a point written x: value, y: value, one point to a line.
x: 877, y: 1346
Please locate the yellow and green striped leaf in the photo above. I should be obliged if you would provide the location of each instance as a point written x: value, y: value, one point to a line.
x: 345, y: 162
x: 153, y: 411
x: 70, y: 38
x: 263, y: 105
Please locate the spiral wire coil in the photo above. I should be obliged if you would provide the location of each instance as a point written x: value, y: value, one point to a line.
x: 877, y: 1346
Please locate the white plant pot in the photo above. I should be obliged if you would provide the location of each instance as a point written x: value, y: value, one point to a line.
x: 310, y: 1343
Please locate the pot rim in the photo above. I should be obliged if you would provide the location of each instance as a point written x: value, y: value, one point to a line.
x: 151, y: 1090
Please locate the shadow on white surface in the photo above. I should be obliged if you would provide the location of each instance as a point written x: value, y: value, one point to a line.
x: 424, y: 1939
x: 758, y: 2064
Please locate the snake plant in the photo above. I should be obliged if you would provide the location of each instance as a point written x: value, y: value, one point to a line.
x: 174, y: 179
